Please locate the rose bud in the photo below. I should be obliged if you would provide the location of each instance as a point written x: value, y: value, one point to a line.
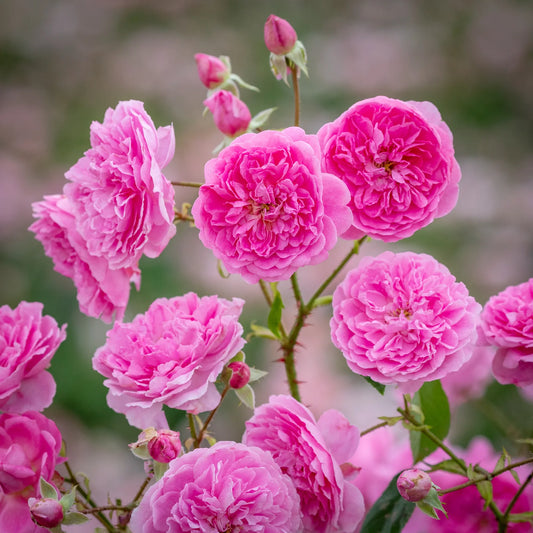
x: 240, y: 376
x: 165, y: 446
x: 212, y: 71
x: 280, y: 36
x: 231, y: 115
x: 46, y: 512
x: 414, y: 484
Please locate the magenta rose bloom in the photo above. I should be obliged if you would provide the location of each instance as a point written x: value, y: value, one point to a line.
x: 102, y: 292
x: 314, y: 455
x: 29, y: 449
x: 123, y: 204
x: 228, y: 487
x: 507, y: 321
x: 397, y: 159
x: 28, y: 341
x: 403, y: 318
x: 266, y: 209
x: 171, y: 355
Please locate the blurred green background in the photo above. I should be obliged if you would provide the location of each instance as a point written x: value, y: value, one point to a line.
x: 63, y: 62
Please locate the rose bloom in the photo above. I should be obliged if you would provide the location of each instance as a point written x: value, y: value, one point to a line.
x: 28, y: 341
x: 507, y: 321
x: 29, y: 449
x: 403, y: 318
x: 228, y: 487
x: 123, y: 204
x: 266, y: 209
x: 101, y: 292
x: 171, y: 355
x: 314, y: 455
x: 397, y: 159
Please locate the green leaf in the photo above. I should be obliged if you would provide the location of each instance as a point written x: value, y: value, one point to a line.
x: 159, y: 469
x: 390, y: 513
x: 433, y: 500
x: 259, y: 120
x: 246, y: 396
x: 521, y: 517
x: 261, y: 331
x: 256, y: 374
x: 323, y: 300
x: 485, y: 489
x: 450, y: 466
x: 378, y: 386
x: 74, y: 518
x: 433, y: 403
x: 428, y: 509
x: 274, y: 316
x: 67, y: 501
x: 47, y: 490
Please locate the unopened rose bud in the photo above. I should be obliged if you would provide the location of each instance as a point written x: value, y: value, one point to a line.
x: 414, y: 484
x: 231, y: 115
x: 140, y: 448
x: 280, y: 36
x: 212, y: 71
x: 240, y: 376
x: 46, y: 512
x: 165, y: 446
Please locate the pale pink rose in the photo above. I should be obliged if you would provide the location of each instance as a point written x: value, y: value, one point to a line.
x: 101, y: 291
x: 29, y: 449
x: 266, y: 209
x: 46, y: 512
x: 313, y: 459
x: 228, y: 487
x: 28, y: 341
x: 280, y: 36
x: 507, y: 321
x: 171, y: 355
x: 403, y: 318
x: 231, y: 115
x: 122, y: 203
x: 397, y: 159
x: 211, y: 70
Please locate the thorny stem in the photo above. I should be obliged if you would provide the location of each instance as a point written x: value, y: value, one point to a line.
x: 202, y: 432
x: 514, y: 499
x: 194, y: 184
x: 296, y: 89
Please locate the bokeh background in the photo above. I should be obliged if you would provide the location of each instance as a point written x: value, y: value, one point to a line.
x: 64, y: 62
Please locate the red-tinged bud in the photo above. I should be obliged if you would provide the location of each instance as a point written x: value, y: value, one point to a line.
x: 46, y: 512
x: 414, y: 484
x: 231, y: 115
x: 211, y: 70
x: 280, y: 36
x: 240, y: 376
x: 165, y: 446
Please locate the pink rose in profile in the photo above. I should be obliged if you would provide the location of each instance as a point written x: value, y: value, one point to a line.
x: 314, y: 455
x: 403, y: 318
x: 397, y: 159
x: 102, y: 292
x: 212, y: 71
x: 231, y: 115
x: 122, y: 202
x: 507, y: 321
x: 171, y: 355
x: 28, y: 341
x: 280, y: 36
x: 266, y: 209
x: 29, y: 449
x: 228, y: 487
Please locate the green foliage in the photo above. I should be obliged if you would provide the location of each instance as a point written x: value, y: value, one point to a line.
x: 274, y: 316
x: 378, y: 386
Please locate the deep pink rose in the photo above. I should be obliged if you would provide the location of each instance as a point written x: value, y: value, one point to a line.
x: 397, y: 159
x: 228, y: 487
x: 311, y: 453
x: 507, y: 321
x: 266, y: 209
x: 29, y: 449
x: 280, y: 36
x: 122, y: 202
x: 231, y: 115
x: 171, y: 355
x: 102, y: 292
x: 28, y: 341
x: 403, y: 318
x: 212, y: 71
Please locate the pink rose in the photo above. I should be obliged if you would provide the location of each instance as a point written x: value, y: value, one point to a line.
x: 266, y: 209
x: 171, y: 355
x: 280, y: 36
x: 102, y: 291
x: 211, y: 70
x: 123, y: 204
x: 228, y: 487
x: 403, y: 318
x: 507, y: 321
x: 231, y: 115
x: 397, y: 159
x: 29, y: 449
x: 164, y: 446
x: 311, y: 453
x: 28, y: 341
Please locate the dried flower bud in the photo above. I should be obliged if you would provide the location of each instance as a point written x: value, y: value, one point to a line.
x: 46, y: 512
x: 280, y: 36
x: 212, y: 71
x: 140, y: 448
x: 231, y: 115
x: 240, y: 376
x: 414, y: 484
x: 165, y: 446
